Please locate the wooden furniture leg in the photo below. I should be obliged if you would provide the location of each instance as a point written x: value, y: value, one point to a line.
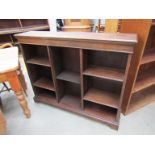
x: 2, y: 124
x: 22, y: 80
x: 16, y: 87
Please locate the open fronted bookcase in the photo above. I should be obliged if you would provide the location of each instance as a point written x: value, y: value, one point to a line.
x: 84, y: 73
x: 140, y: 87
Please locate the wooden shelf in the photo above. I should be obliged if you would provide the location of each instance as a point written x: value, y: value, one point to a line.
x: 145, y: 81
x: 102, y: 112
x: 141, y: 99
x: 104, y: 72
x: 44, y: 83
x: 71, y: 101
x: 69, y: 76
x: 39, y: 61
x: 102, y: 97
x: 148, y: 57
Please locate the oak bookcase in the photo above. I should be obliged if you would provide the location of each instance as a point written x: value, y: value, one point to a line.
x: 84, y: 73
x: 140, y: 85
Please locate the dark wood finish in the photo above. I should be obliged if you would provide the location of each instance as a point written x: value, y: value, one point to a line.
x: 39, y: 61
x: 13, y: 31
x: 83, y: 61
x: 95, y: 92
x: 51, y: 60
x: 9, y: 23
x: 5, y: 39
x: 44, y: 83
x: 9, y: 27
x: 101, y: 112
x: 40, y: 74
x: 12, y: 26
x: 71, y: 101
x: 45, y: 98
x: 141, y: 71
x: 102, y: 97
x: 69, y: 76
x: 123, y: 86
x: 97, y: 58
x: 100, y: 41
x: 37, y: 55
x: 70, y: 94
x: 104, y: 72
x: 33, y: 22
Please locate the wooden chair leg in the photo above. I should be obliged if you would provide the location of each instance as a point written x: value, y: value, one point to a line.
x: 22, y: 80
x: 16, y: 87
x: 23, y: 103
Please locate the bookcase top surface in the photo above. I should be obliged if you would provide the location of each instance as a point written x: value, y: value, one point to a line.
x: 123, y: 38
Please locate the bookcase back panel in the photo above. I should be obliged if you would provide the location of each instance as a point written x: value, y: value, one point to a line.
x: 32, y: 51
x: 106, y: 59
x: 67, y: 59
x: 9, y: 23
x: 38, y: 71
x: 71, y: 88
x: 32, y: 22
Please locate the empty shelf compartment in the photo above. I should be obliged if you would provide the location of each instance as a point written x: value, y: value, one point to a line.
x: 45, y: 83
x: 44, y: 96
x: 102, y: 97
x: 145, y: 80
x: 71, y: 101
x: 101, y: 112
x: 141, y: 98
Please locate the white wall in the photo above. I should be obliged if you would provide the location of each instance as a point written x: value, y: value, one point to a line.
x: 53, y: 25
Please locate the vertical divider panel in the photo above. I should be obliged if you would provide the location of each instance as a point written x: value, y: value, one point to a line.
x: 83, y: 66
x: 81, y: 77
x: 51, y: 59
x: 123, y: 86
